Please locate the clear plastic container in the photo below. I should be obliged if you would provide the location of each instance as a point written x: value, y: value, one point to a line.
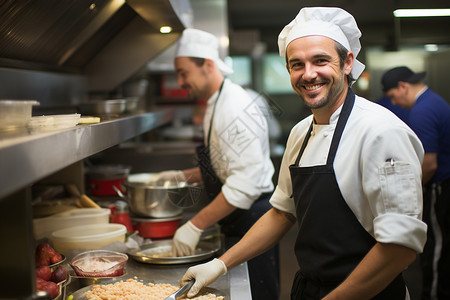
x: 65, y: 121
x: 99, y: 263
x: 70, y: 241
x: 15, y: 113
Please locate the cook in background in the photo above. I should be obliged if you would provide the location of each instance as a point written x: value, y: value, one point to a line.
x: 234, y: 162
x: 400, y: 112
x: 429, y: 117
x: 355, y: 193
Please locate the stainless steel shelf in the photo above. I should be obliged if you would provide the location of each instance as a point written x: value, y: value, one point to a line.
x: 26, y: 158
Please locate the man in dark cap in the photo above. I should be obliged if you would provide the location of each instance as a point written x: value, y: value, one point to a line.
x: 429, y: 117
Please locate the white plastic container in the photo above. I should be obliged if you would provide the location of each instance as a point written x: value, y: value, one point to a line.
x: 44, y: 227
x: 70, y: 241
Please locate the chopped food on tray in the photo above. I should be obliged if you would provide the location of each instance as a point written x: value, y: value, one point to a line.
x: 133, y: 289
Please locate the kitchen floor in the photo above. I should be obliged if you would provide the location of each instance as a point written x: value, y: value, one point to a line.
x: 288, y: 267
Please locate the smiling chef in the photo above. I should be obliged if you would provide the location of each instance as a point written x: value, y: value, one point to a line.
x: 350, y: 177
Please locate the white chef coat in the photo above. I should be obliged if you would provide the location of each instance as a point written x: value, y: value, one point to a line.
x: 239, y: 145
x: 384, y: 195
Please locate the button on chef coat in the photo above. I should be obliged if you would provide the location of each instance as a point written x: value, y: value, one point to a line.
x: 384, y: 195
x: 239, y: 145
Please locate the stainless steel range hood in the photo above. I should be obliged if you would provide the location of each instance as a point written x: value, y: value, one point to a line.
x: 105, y: 40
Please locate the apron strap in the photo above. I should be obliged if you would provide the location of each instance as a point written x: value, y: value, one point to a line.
x: 305, y: 142
x: 212, y: 115
x: 345, y: 113
x: 346, y: 109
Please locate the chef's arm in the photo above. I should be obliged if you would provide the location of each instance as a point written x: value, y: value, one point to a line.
x: 215, y: 211
x: 429, y: 166
x: 262, y: 236
x: 192, y: 175
x: 379, y: 267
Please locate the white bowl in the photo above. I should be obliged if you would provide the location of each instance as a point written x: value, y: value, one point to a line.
x: 43, y: 227
x: 73, y: 240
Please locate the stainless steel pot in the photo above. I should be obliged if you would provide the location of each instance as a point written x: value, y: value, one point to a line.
x: 103, y: 107
x: 148, y: 200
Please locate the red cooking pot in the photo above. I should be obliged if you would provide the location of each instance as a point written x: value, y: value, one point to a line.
x: 156, y: 228
x: 102, y: 179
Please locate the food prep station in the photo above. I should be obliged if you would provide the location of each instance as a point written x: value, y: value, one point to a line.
x: 82, y: 73
x: 233, y: 285
x: 55, y: 154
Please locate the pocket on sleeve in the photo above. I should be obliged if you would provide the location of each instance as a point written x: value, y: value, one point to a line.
x: 398, y: 188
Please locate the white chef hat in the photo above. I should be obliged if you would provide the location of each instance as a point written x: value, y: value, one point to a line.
x: 332, y: 22
x: 202, y: 44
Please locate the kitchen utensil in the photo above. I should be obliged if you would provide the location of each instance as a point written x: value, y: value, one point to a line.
x: 103, y: 107
x: 55, y: 265
x: 159, y: 253
x: 156, y: 228
x: 131, y: 104
x: 103, y: 178
x: 99, y: 263
x: 146, y: 199
x: 86, y: 281
x: 83, y: 201
x: 183, y: 290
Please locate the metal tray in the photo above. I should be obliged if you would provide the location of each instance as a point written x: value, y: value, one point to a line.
x: 151, y: 253
x: 81, y: 293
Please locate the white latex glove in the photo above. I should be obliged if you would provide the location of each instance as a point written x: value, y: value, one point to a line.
x: 203, y: 274
x: 185, y: 239
x: 170, y: 176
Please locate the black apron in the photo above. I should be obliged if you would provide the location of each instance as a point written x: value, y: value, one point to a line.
x: 211, y: 181
x: 330, y: 241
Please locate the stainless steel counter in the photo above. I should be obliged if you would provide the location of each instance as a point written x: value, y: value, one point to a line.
x: 29, y: 156
x: 234, y: 285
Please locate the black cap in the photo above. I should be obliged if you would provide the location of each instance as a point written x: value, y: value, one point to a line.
x: 393, y: 76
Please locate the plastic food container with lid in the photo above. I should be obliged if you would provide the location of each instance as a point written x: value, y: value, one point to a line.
x: 73, y: 240
x: 15, y: 113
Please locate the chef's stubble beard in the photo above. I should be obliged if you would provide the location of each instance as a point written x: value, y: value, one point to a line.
x: 331, y: 96
x: 195, y: 93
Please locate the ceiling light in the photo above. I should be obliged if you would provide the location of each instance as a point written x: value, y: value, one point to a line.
x: 431, y: 47
x: 438, y: 12
x: 165, y: 29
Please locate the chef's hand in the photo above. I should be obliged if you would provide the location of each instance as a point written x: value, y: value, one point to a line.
x: 170, y: 176
x: 203, y: 274
x: 186, y: 239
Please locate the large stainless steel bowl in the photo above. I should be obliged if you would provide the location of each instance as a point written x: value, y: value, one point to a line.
x: 147, y: 199
x: 103, y: 107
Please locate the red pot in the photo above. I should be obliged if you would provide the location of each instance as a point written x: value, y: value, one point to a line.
x: 156, y: 227
x: 101, y: 179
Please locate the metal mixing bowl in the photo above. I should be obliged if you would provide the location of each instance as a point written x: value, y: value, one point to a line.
x: 147, y: 199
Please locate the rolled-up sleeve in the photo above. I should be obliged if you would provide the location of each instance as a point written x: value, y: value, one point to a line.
x: 391, y: 168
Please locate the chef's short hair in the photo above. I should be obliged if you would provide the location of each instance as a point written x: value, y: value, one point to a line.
x: 342, y: 53
x: 198, y: 61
